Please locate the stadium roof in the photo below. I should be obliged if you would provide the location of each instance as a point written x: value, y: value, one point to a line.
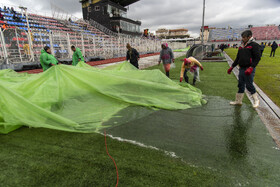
x: 120, y: 2
x: 124, y: 2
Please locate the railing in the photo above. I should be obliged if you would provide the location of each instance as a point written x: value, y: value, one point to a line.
x: 16, y: 47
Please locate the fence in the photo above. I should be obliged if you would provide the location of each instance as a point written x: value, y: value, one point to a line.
x: 17, y: 47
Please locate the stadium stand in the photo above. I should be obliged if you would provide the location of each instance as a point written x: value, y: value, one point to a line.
x: 19, y: 48
x: 225, y: 34
x: 234, y: 34
x: 266, y: 33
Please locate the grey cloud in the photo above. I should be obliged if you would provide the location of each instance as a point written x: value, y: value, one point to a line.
x: 236, y: 13
x: 156, y: 14
x: 42, y: 6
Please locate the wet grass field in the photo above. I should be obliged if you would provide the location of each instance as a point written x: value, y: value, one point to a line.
x: 216, y: 145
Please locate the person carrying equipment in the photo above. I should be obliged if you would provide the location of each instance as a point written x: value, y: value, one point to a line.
x: 167, y: 57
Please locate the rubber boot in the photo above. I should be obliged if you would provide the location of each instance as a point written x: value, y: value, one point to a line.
x: 194, y: 80
x: 256, y: 100
x: 187, y: 79
x: 238, y: 99
x: 167, y: 73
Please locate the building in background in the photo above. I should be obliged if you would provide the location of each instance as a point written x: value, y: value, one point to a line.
x: 172, y: 33
x: 112, y: 14
x: 206, y: 33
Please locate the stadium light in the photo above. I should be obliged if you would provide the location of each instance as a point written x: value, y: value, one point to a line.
x: 202, y: 29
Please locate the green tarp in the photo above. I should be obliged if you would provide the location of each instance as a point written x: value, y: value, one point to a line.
x: 181, y: 50
x: 84, y: 98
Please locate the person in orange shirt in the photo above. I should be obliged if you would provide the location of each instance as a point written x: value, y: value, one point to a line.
x: 190, y: 64
x: 4, y: 26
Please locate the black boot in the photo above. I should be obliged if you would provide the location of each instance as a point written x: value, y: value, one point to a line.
x: 194, y: 80
x: 187, y: 79
x: 167, y: 73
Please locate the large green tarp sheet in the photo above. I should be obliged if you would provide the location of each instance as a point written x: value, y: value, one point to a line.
x: 86, y: 99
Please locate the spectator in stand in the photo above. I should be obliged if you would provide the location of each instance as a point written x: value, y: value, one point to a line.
x: 4, y: 26
x: 47, y: 60
x: 167, y: 57
x: 77, y: 56
x: 26, y: 50
x: 1, y: 16
x: 5, y: 9
x: 132, y: 55
x: 17, y: 19
x: 262, y: 48
x: 13, y: 11
x: 274, y: 46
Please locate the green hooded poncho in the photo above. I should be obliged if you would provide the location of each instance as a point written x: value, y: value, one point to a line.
x: 46, y: 60
x: 76, y: 56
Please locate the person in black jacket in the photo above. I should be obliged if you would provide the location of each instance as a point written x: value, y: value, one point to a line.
x: 132, y: 55
x: 274, y: 46
x: 262, y: 48
x: 248, y: 57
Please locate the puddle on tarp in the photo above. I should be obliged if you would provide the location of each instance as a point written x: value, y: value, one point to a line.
x: 229, y: 139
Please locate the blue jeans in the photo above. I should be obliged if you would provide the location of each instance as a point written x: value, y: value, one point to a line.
x: 246, y: 80
x: 186, y: 76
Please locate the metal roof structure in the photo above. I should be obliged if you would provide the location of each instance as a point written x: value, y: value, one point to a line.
x: 120, y: 2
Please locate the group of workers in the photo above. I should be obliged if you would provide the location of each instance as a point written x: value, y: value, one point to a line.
x: 248, y: 57
x: 47, y: 60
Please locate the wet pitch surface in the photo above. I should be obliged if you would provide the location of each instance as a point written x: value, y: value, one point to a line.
x: 229, y: 139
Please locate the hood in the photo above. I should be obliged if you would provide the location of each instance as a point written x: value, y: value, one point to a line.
x: 165, y: 44
x: 187, y: 61
x: 43, y: 51
x: 249, y: 41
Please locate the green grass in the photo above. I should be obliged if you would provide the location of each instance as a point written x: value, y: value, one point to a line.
x: 214, y: 80
x: 267, y: 73
x: 43, y: 157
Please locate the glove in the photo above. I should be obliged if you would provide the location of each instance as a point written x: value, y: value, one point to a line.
x: 201, y: 68
x: 181, y: 79
x: 249, y: 71
x: 230, y: 70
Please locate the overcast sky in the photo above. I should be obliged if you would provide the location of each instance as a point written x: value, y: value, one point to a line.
x: 169, y: 14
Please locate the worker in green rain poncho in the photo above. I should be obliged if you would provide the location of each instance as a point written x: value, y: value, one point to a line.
x: 47, y: 60
x: 77, y: 56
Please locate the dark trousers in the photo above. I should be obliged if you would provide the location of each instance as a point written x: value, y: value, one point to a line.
x: 186, y: 75
x: 246, y: 81
x: 135, y: 63
x: 272, y: 52
x: 261, y: 52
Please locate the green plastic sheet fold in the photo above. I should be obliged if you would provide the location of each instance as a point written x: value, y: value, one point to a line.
x: 86, y: 99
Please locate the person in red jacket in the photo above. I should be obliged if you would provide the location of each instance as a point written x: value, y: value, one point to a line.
x: 248, y: 57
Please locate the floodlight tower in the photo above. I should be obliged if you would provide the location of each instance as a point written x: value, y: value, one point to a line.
x: 202, y: 28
